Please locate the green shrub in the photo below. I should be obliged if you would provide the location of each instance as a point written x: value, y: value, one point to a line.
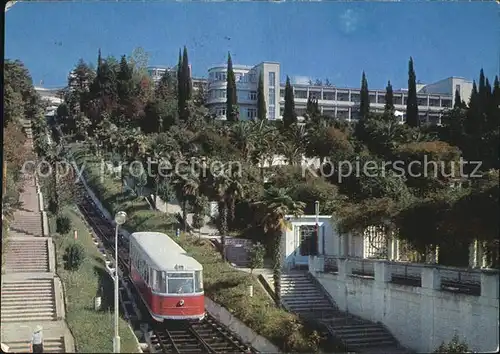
x: 63, y: 225
x: 257, y: 254
x: 453, y: 346
x: 74, y: 256
x: 198, y: 221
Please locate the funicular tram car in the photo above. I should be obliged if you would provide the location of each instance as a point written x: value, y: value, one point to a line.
x: 169, y: 281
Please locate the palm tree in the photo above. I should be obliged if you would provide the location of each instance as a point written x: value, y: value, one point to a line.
x: 266, y: 135
x: 233, y: 192
x: 242, y: 135
x: 221, y: 186
x: 162, y: 148
x: 132, y: 144
x: 277, y: 203
x: 292, y: 147
x: 187, y: 185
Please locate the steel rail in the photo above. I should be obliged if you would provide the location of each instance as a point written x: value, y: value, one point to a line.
x: 232, y: 342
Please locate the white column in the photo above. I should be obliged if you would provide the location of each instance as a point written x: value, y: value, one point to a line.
x: 344, y: 267
x: 431, y: 279
x: 382, y: 271
x: 489, y: 284
x: 398, y: 254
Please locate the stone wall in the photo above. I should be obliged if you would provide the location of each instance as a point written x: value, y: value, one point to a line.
x: 421, y: 315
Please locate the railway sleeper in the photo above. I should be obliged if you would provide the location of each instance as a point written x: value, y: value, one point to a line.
x: 201, y: 337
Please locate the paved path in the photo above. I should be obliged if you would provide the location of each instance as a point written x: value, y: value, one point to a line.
x: 31, y: 292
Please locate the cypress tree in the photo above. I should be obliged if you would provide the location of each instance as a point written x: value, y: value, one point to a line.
x: 315, y: 107
x: 494, y: 115
x: 99, y: 60
x: 482, y: 89
x: 411, y: 106
x: 488, y: 94
x: 389, y: 98
x: 458, y: 100
x: 309, y: 105
x: 496, y: 92
x: 186, y: 76
x: 312, y: 107
x: 124, y: 80
x: 261, y: 98
x: 181, y: 100
x: 231, y: 95
x: 364, y: 103
x: 289, y: 115
x: 471, y: 123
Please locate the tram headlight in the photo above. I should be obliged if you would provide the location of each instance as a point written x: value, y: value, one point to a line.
x: 181, y: 303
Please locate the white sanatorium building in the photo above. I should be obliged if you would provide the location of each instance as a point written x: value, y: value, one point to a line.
x: 338, y: 102
x: 52, y: 97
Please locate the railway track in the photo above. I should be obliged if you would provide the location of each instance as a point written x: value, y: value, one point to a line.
x: 206, y: 336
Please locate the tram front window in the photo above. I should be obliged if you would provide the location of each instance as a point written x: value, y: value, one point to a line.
x: 180, y: 283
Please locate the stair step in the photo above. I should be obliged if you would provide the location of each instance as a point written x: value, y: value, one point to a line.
x: 49, y: 346
x: 14, y: 317
x: 371, y: 344
x: 357, y: 327
x: 18, y: 311
x: 307, y: 301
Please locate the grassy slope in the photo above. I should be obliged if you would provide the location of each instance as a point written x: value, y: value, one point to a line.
x: 93, y: 331
x: 223, y: 283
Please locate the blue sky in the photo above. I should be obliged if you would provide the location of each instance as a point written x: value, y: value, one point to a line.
x: 337, y: 40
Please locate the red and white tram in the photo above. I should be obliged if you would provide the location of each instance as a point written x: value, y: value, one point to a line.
x: 170, y: 282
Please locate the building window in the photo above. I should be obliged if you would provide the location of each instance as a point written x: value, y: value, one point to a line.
x: 315, y: 94
x: 220, y: 76
x: 329, y: 96
x: 434, y: 102
x: 355, y: 97
x: 252, y: 96
x: 221, y: 112
x: 272, y: 78
x: 422, y: 101
x: 221, y: 93
x: 342, y: 96
x: 251, y: 113
x: 300, y: 94
x: 272, y: 96
x: 271, y: 113
x: 282, y: 93
x: 446, y: 103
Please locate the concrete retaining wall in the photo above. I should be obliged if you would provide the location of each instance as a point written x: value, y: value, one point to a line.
x: 225, y: 317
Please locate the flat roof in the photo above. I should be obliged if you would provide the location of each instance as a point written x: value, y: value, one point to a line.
x: 163, y: 252
x: 235, y: 66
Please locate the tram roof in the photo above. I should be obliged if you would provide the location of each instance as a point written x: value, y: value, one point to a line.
x: 163, y: 252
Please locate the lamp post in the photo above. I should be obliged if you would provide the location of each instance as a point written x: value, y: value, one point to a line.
x: 120, y: 219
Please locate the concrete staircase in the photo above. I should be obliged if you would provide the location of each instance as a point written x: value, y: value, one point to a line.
x: 26, y: 223
x: 49, y: 346
x: 26, y: 256
x: 28, y: 300
x: 301, y: 295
